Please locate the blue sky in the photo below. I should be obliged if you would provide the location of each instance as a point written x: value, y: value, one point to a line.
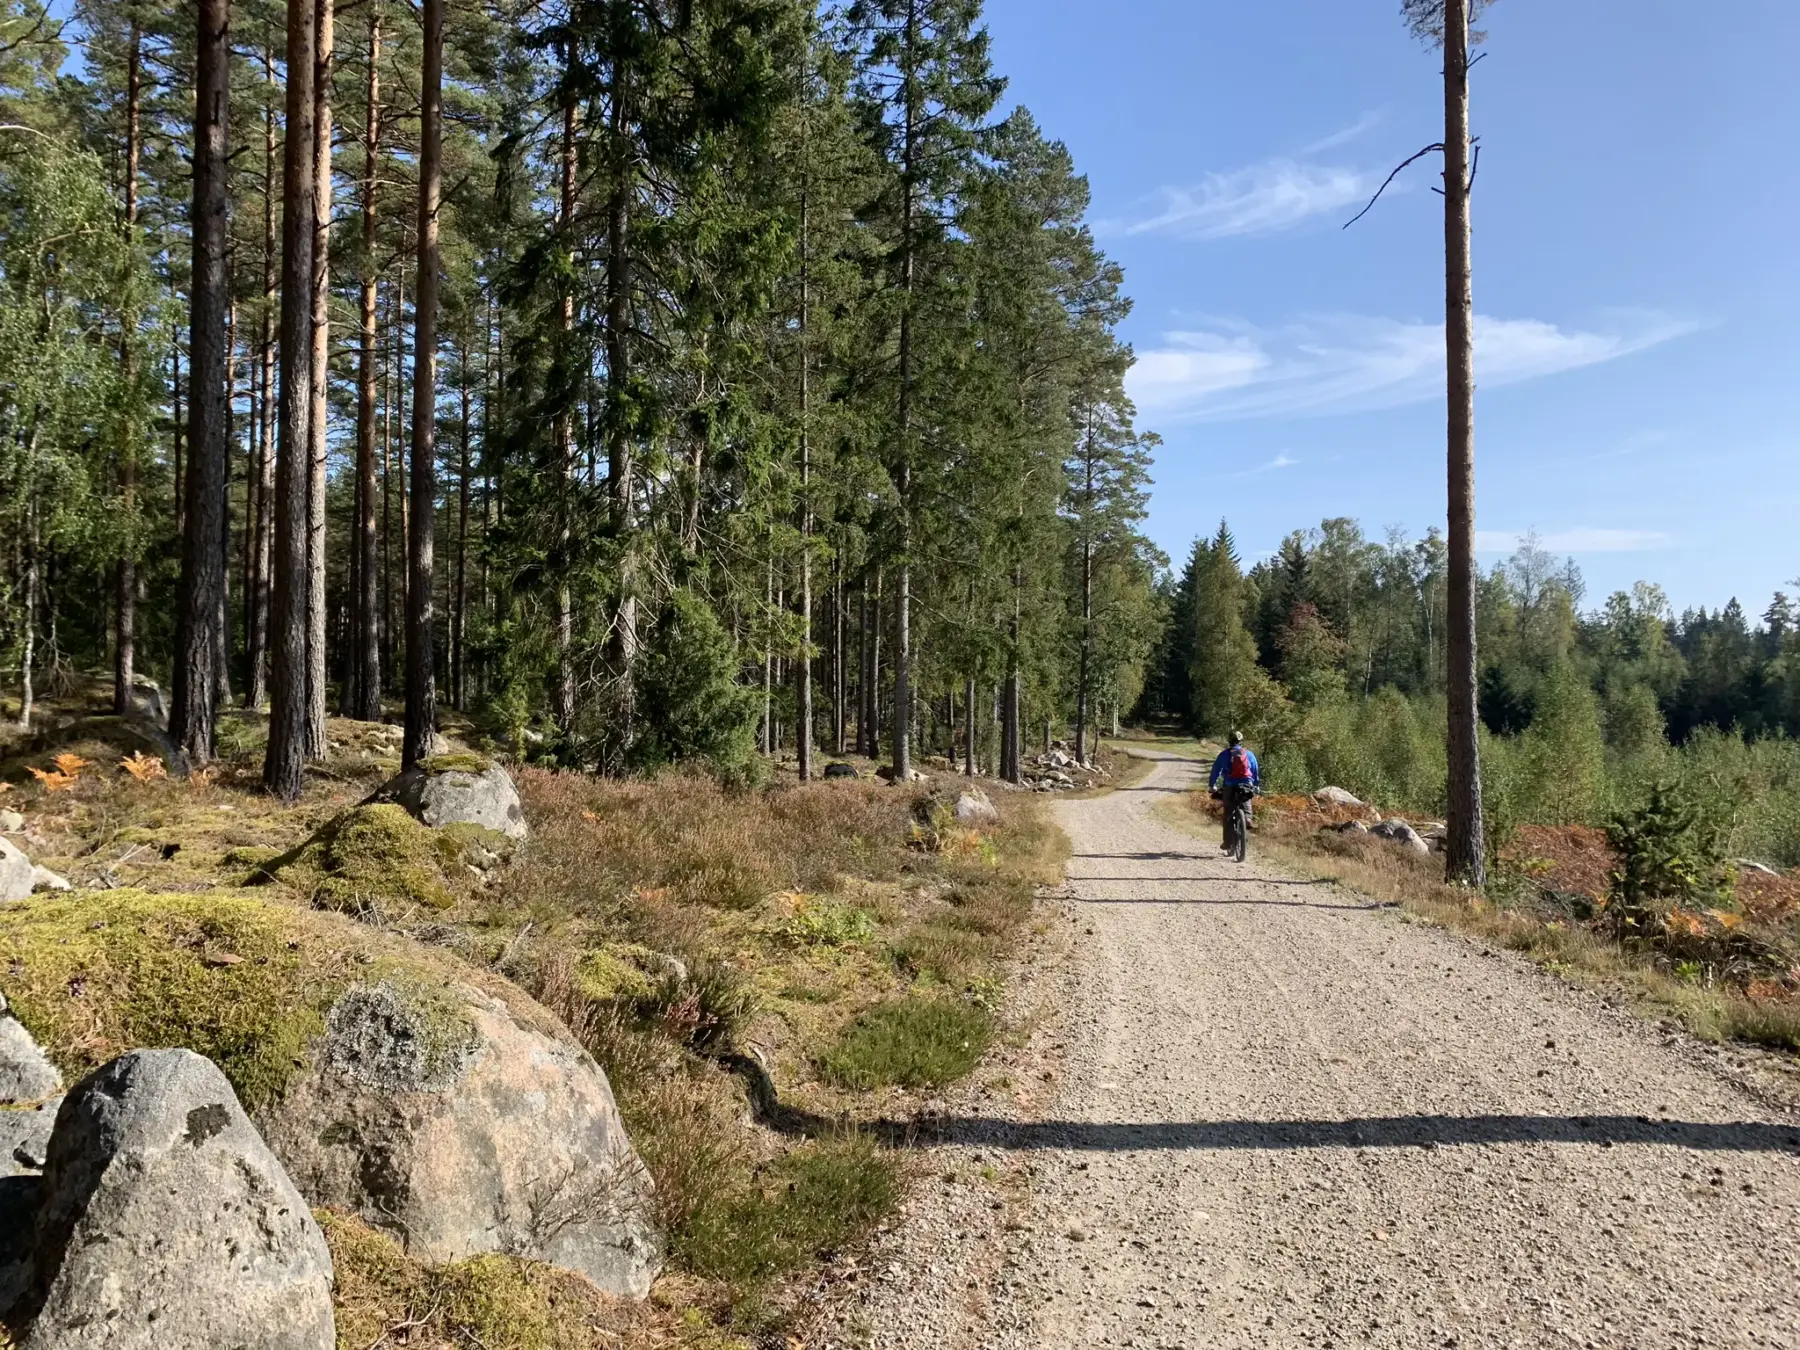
x: 1637, y: 254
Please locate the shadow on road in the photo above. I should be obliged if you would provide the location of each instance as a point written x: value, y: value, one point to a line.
x: 1369, y: 1132
x: 1369, y: 908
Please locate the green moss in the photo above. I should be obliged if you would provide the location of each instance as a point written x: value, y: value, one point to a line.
x: 461, y: 761
x: 495, y: 1301
x: 92, y: 975
x: 250, y: 855
x: 617, y: 973
x: 370, y: 860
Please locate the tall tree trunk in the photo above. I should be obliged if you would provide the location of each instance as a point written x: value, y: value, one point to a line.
x: 284, y: 765
x: 803, y: 666
x: 197, y: 639
x: 619, y: 467
x: 1087, y: 604
x: 125, y: 602
x: 459, y: 602
x: 903, y: 478
x: 421, y: 690
x: 969, y: 727
x: 1012, y: 729
x: 321, y: 372
x: 565, y: 431
x: 367, y: 660
x: 837, y: 656
x: 262, y: 524
x: 1465, y: 853
x: 178, y: 428
x: 29, y: 599
x: 389, y: 378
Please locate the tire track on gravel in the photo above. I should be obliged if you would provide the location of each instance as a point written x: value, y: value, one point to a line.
x: 1285, y: 1117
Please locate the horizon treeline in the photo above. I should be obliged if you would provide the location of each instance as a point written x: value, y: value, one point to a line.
x: 1330, y: 653
x: 771, y: 395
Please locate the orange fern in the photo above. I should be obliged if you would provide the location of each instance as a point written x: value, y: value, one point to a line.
x: 52, y: 780
x: 143, y: 767
x: 71, y: 764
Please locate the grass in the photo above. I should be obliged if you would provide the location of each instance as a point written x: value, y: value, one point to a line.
x: 918, y: 1041
x: 1571, y: 950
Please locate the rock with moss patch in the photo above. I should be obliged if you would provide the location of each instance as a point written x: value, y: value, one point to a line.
x: 374, y: 861
x: 237, y: 1261
x: 460, y: 789
x: 15, y: 872
x: 465, y: 1128
x: 389, y: 1077
x: 974, y: 807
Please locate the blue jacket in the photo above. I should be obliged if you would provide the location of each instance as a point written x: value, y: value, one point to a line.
x: 1223, y: 763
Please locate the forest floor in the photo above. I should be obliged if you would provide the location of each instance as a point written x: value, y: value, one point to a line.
x: 1253, y: 1109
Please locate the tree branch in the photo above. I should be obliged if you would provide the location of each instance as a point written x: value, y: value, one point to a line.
x: 1435, y: 146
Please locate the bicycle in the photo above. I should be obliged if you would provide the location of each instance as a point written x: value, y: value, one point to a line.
x: 1237, y: 821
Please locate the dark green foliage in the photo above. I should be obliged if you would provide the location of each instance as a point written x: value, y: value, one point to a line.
x: 693, y: 706
x: 1668, y: 855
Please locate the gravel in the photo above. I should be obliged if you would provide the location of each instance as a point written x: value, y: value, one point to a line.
x: 1257, y: 1112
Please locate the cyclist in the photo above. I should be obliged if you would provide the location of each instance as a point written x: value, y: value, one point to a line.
x: 1237, y: 769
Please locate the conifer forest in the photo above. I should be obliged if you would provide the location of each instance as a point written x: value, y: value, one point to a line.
x: 657, y: 381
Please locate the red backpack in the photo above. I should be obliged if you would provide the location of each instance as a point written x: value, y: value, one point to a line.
x: 1237, y: 768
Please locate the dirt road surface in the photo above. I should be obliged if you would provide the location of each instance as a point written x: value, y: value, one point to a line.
x: 1279, y: 1115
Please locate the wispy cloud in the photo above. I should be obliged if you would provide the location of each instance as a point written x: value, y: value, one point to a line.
x: 1230, y: 371
x: 1281, y: 461
x: 1581, y: 539
x: 1367, y: 122
x: 1261, y: 199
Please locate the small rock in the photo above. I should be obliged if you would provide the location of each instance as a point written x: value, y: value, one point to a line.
x: 238, y: 1261
x: 1349, y: 827
x: 975, y: 805
x: 838, y: 769
x: 43, y: 879
x: 1399, y: 832
x: 1335, y: 796
x: 15, y: 872
x: 26, y: 1073
x: 1761, y: 869
x: 11, y: 822
x: 1078, y: 1233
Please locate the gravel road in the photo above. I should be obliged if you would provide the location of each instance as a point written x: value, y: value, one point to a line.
x: 1257, y: 1112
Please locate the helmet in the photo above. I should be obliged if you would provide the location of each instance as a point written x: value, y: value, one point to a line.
x: 1237, y: 738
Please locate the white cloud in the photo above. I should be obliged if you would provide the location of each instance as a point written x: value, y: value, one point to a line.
x: 1261, y: 199
x: 1354, y: 363
x: 1581, y: 539
x: 1281, y: 461
x: 1364, y: 123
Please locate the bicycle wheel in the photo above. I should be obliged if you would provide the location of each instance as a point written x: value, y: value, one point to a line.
x: 1240, y: 822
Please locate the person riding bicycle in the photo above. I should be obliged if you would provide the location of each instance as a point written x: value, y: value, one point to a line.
x: 1237, y: 769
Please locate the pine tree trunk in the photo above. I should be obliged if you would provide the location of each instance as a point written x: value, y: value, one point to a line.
x: 837, y: 658
x: 28, y: 595
x: 200, y: 608
x: 459, y: 603
x: 1465, y: 854
x: 421, y: 690
x: 284, y: 765
x: 1011, y: 730
x: 565, y: 435
x: 803, y: 665
x: 321, y: 372
x: 618, y: 374
x: 125, y: 601
x: 366, y: 674
x: 262, y: 524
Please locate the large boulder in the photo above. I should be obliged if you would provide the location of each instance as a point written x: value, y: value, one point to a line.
x: 427, y: 1095
x: 1335, y: 796
x: 460, y: 790
x: 839, y: 769
x: 24, y: 1143
x: 165, y: 1223
x: 15, y: 872
x: 466, y: 1128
